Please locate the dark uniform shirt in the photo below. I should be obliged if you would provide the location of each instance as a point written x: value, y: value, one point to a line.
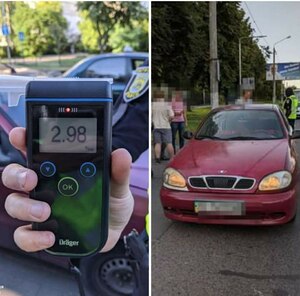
x: 131, y: 115
x: 287, y: 107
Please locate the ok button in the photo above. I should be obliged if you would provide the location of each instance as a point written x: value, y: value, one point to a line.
x: 68, y: 186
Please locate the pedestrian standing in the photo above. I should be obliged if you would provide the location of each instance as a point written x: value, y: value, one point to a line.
x: 179, y: 122
x: 162, y: 115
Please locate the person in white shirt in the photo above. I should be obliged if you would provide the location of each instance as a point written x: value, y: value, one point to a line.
x: 162, y: 114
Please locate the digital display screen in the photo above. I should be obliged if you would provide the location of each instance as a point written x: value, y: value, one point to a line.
x: 68, y: 135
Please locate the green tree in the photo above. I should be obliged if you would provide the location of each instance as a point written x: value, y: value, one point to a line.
x: 88, y: 33
x: 43, y: 26
x: 136, y: 36
x: 100, y: 19
x: 180, y: 47
x: 178, y: 41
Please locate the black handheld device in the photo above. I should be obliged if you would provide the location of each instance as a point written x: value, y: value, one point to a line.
x: 69, y: 147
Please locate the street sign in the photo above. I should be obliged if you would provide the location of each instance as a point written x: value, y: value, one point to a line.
x: 248, y: 83
x: 21, y: 36
x: 5, y: 30
x: 283, y: 71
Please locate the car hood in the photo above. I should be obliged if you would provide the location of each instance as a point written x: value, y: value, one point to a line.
x: 241, y: 158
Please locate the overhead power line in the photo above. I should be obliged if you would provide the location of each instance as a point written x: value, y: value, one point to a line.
x: 251, y: 15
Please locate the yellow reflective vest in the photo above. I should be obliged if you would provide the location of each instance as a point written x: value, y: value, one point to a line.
x: 294, y: 100
x: 147, y: 224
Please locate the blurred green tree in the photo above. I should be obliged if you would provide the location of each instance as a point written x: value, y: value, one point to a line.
x: 43, y: 25
x: 101, y: 20
x: 135, y: 36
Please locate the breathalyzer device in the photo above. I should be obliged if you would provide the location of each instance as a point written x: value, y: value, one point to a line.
x: 69, y: 146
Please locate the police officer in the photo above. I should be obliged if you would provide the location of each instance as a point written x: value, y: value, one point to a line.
x: 131, y: 115
x: 290, y: 106
x: 131, y: 131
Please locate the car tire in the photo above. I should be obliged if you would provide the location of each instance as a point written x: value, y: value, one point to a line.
x: 108, y: 274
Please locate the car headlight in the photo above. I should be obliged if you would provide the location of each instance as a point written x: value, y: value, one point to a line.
x: 275, y: 181
x: 174, y: 180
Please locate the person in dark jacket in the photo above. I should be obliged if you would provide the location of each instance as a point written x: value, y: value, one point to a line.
x: 131, y: 115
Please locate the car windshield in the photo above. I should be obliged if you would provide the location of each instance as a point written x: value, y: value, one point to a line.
x: 241, y: 125
x: 69, y: 72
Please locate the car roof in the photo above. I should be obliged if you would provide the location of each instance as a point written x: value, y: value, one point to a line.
x: 266, y: 107
x: 91, y: 59
x: 120, y: 54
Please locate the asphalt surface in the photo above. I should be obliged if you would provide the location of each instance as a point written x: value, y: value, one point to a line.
x: 213, y: 260
x: 27, y: 276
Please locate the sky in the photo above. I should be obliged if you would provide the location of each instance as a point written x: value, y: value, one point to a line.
x: 277, y: 20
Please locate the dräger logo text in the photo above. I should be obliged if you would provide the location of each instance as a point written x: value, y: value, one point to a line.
x: 67, y: 242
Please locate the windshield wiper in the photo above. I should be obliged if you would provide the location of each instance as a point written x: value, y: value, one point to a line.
x: 208, y: 137
x: 243, y: 138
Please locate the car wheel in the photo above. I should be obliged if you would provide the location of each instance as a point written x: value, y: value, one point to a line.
x: 108, y: 274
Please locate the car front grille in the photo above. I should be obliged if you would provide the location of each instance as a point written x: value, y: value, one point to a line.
x: 222, y: 182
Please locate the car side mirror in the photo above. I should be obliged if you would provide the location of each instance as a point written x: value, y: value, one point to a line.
x: 296, y: 135
x: 188, y: 135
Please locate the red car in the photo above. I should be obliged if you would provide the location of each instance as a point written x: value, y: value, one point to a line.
x: 240, y: 167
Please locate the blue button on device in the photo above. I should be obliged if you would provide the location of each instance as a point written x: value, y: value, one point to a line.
x: 87, y: 169
x: 47, y: 169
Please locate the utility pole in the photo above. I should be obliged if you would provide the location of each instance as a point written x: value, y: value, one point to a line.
x: 274, y: 81
x: 213, y: 50
x: 240, y: 69
x: 274, y: 66
x: 4, y: 21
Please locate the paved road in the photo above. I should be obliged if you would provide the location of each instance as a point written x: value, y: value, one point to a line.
x: 30, y: 277
x: 210, y: 260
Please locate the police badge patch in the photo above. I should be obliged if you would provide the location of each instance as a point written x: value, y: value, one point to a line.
x: 138, y: 84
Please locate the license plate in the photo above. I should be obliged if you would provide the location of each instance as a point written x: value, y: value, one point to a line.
x: 224, y: 208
